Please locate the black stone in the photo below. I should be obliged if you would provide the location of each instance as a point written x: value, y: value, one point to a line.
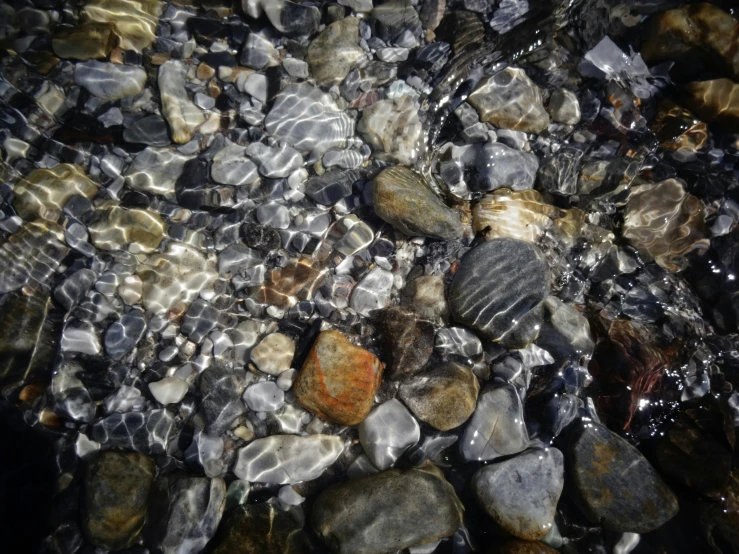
x: 299, y: 19
x: 261, y: 238
x: 409, y: 342
x: 218, y: 59
x: 151, y: 130
x: 332, y: 186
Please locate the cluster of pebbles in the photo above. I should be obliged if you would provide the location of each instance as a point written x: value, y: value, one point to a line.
x: 282, y: 277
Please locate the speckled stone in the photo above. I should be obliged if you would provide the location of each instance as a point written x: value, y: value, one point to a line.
x: 334, y: 52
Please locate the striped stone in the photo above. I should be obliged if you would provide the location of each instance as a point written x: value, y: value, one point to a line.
x: 496, y: 284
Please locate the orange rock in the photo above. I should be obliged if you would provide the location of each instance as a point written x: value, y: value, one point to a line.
x: 338, y: 380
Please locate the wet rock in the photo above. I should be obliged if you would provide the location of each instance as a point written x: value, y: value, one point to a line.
x: 425, y: 296
x: 510, y: 100
x: 290, y: 18
x: 264, y: 397
x: 169, y: 390
x: 664, y: 223
x: 285, y: 287
x: 274, y: 354
x: 258, y: 52
x: 221, y: 389
x: 134, y: 22
x: 156, y: 170
x: 517, y: 546
x: 497, y: 427
x: 408, y: 342
x: 332, y: 186
x: 719, y: 519
x: 275, y: 162
x: 456, y: 341
x: 500, y: 166
x: 109, y: 81
x: 116, y: 228
x: 116, y: 492
x: 397, y: 22
x: 151, y: 130
x: 559, y: 173
x: 613, y: 484
x: 403, y: 199
x: 444, y: 396
x: 517, y: 279
x: 387, y: 432
x: 261, y: 529
x: 338, y: 380
x: 308, y: 119
x: 145, y: 432
x: 334, y: 52
x: 184, y: 512
x: 287, y: 459
x: 521, y: 493
x: 387, y: 511
x: 174, y: 277
x: 431, y: 14
x: 372, y: 293
x: 565, y: 331
x: 87, y: 41
x: 45, y: 190
x: 564, y: 107
x: 181, y: 114
x: 123, y: 335
x: 71, y: 398
x: 261, y: 238
x: 392, y: 126
x: 714, y: 101
x: 232, y: 167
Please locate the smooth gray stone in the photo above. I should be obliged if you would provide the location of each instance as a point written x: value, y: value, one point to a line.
x: 500, y: 166
x: 275, y: 162
x: 145, y: 432
x: 74, y: 288
x: 564, y: 331
x: 109, y: 81
x: 387, y: 432
x: 123, y: 335
x: 612, y: 483
x: 387, y: 511
x: 156, y: 170
x: 497, y: 427
x: 327, y: 189
x: 521, y: 493
x: 232, y: 167
x: 151, y: 130
x: 560, y: 171
x: 496, y: 284
x: 564, y: 107
x: 221, y: 389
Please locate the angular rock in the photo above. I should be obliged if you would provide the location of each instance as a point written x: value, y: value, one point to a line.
x: 497, y: 427
x: 109, y: 81
x: 387, y: 432
x: 408, y: 342
x: 500, y: 166
x: 613, y: 484
x: 287, y: 459
x: 50, y: 189
x: 387, y: 511
x: 338, y: 380
x: 521, y: 493
x: 496, y: 284
x: 392, y: 126
x: 116, y: 493
x: 334, y: 52
x: 510, y: 100
x: 444, y: 396
x: 182, y: 115
x: 403, y: 199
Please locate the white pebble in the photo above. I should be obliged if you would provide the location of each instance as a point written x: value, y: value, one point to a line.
x: 169, y: 390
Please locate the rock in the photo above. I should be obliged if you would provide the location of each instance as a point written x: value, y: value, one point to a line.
x: 286, y: 286
x: 387, y: 511
x: 115, y: 228
x: 500, y: 166
x: 258, y: 52
x: 516, y: 546
x: 116, y: 492
x: 372, y: 293
x: 50, y: 189
x: 87, y: 41
x: 338, y: 380
x: 274, y: 354
x: 123, y: 335
x: 308, y: 119
x: 169, y: 390
x: 719, y: 519
x: 334, y: 185
x: 151, y: 130
x: 397, y: 22
x: 184, y: 512
x: 664, y: 223
x: 334, y: 52
x: 134, y: 22
x: 290, y: 18
x: 156, y: 170
x: 261, y: 529
x: 261, y: 238
x: 408, y: 342
x: 521, y: 493
x: 287, y: 459
x: 457, y: 341
x: 403, y: 199
x: 109, y: 81
x: 264, y: 397
x: 387, y: 432
x: 145, y: 432
x: 613, y: 484
x: 444, y: 396
x: 221, y: 389
x: 432, y: 12
x: 564, y: 107
x: 516, y: 279
x: 71, y: 398
x: 31, y: 255
x: 181, y: 114
x: 425, y: 296
x: 714, y: 101
x: 232, y: 167
x: 559, y: 173
x: 565, y: 331
x: 392, y: 126
x: 174, y: 277
x: 296, y: 68
x: 275, y: 162
x: 510, y: 100
x: 497, y: 426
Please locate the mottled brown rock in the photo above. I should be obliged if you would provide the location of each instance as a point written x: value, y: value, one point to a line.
x: 87, y: 41
x: 714, y: 101
x: 409, y: 343
x: 335, y: 51
x: 135, y: 21
x: 444, y: 396
x: 136, y: 230
x: 338, y: 380
x: 284, y: 287
x: 425, y: 296
x: 116, y: 492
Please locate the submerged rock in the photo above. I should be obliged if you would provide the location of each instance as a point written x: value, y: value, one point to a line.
x: 109, y: 81
x: 408, y: 342
x: 372, y: 293
x: 135, y: 22
x: 393, y: 127
x: 338, y: 380
x: 500, y: 166
x: 89, y: 40
x: 714, y: 101
x: 221, y: 389
x: 403, y: 199
x: 47, y: 190
x: 387, y: 432
x: 116, y: 228
x: 156, y: 170
x: 387, y: 511
x: 145, y: 432
x: 182, y: 115
x: 564, y: 107
x: 335, y: 51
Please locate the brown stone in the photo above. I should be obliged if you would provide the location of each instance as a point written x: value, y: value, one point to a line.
x: 408, y: 342
x: 338, y: 380
x: 715, y: 101
x: 205, y: 72
x: 87, y: 41
x: 285, y: 286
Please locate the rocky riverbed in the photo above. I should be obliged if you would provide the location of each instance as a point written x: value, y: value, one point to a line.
x: 369, y: 277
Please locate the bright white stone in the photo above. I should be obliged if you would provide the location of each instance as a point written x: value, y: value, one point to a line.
x: 274, y: 354
x: 372, y: 292
x: 181, y: 114
x: 169, y: 390
x: 387, y: 432
x: 264, y: 397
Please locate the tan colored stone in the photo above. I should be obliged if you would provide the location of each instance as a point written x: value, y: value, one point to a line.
x: 715, y: 101
x: 87, y: 41
x: 50, y: 189
x: 116, y: 228
x: 135, y: 21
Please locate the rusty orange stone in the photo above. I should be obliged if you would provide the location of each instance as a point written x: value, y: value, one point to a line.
x: 338, y: 380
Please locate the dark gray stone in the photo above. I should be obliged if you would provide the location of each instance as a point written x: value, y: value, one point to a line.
x: 409, y: 342
x: 221, y: 389
x: 145, y: 432
x: 124, y: 334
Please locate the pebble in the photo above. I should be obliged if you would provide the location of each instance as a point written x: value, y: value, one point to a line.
x: 287, y: 459
x: 231, y: 166
x: 564, y: 107
x: 116, y: 493
x: 613, y: 484
x: 521, y: 494
x: 147, y: 432
x: 444, y: 396
x: 372, y: 293
x: 520, y: 280
x: 169, y: 390
x: 403, y: 199
x: 397, y: 22
x: 275, y: 162
x: 156, y: 170
x: 334, y: 52
x: 387, y: 432
x: 393, y: 127
x: 135, y: 24
x: 258, y: 52
x: 89, y: 40
x: 264, y: 397
x: 565, y: 331
x: 50, y: 189
x: 115, y: 228
x: 387, y: 511
x: 408, y: 342
x: 500, y: 166
x: 221, y: 389
x: 338, y: 380
x: 151, y: 130
x: 274, y: 354
x: 497, y: 426
x: 181, y: 114
x: 123, y: 335
x: 72, y: 400
x: 457, y: 341
x: 109, y: 81
x: 424, y: 295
